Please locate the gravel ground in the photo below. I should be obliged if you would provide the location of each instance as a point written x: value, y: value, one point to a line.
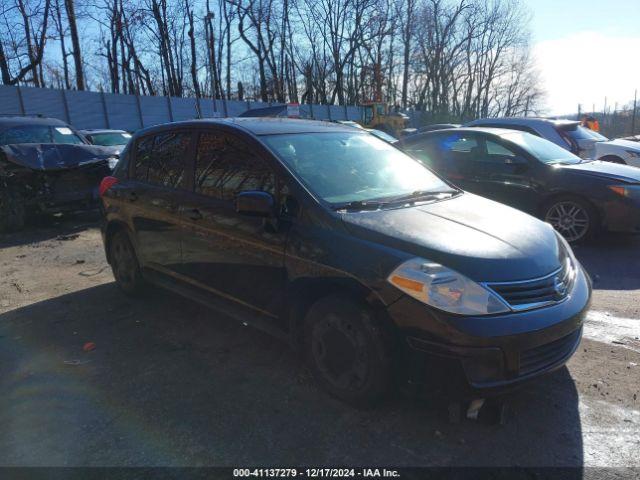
x: 172, y: 383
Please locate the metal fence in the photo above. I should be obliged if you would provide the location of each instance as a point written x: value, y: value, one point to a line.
x: 132, y: 112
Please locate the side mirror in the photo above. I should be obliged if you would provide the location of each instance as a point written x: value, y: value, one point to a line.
x: 255, y: 203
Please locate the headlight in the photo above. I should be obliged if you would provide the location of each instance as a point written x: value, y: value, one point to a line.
x: 445, y: 289
x: 113, y: 161
x: 629, y: 191
x: 633, y: 153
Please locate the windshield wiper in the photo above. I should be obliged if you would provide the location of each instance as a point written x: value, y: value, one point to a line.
x: 358, y: 205
x: 419, y: 195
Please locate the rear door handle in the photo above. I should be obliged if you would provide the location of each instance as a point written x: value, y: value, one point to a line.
x: 194, y: 214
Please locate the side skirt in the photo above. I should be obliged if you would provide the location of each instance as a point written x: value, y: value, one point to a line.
x: 186, y: 287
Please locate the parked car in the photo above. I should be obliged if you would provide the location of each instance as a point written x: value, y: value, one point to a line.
x: 113, y: 140
x: 46, y: 167
x: 572, y: 136
x: 340, y: 243
x: 436, y: 126
x: 578, y: 197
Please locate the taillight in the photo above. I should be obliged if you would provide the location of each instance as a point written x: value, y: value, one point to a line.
x: 106, y: 184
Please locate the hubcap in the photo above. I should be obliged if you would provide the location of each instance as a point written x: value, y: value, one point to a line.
x: 339, y: 351
x: 570, y: 219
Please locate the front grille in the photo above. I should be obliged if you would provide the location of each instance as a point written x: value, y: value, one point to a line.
x: 537, y: 292
x: 541, y: 357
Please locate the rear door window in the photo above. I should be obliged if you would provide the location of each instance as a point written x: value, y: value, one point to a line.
x: 226, y: 166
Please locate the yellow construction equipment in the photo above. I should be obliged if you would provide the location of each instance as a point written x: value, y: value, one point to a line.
x: 378, y: 115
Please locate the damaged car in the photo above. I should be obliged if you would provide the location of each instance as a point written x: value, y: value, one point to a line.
x: 46, y: 167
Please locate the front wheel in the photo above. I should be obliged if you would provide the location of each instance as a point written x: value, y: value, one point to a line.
x: 347, y: 351
x: 124, y: 264
x: 572, y: 217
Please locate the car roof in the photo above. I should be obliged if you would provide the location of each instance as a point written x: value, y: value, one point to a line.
x: 15, y: 121
x: 91, y: 131
x: 257, y: 126
x: 264, y: 111
x: 530, y: 121
x: 432, y: 133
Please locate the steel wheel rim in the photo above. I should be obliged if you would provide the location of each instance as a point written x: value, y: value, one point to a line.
x: 352, y: 378
x: 570, y: 219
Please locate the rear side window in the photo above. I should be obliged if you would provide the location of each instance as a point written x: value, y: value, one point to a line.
x: 161, y: 159
x: 226, y: 166
x: 144, y: 148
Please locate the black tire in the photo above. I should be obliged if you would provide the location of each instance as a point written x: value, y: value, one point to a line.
x: 12, y: 211
x: 124, y: 264
x: 613, y: 159
x: 348, y: 352
x: 574, y: 218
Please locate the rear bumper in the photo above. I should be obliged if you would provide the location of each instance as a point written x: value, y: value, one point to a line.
x: 489, y: 354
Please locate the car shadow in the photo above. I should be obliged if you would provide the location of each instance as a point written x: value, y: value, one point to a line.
x: 95, y: 378
x: 608, y: 249
x: 45, y: 227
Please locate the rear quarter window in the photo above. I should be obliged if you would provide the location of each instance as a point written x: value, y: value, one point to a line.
x: 168, y: 159
x: 144, y: 148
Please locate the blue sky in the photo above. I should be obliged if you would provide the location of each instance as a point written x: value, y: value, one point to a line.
x: 586, y: 50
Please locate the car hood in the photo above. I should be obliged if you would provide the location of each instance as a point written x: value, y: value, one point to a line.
x: 482, y: 239
x: 626, y: 144
x: 54, y: 156
x: 608, y: 170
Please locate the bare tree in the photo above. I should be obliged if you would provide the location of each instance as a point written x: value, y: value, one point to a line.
x: 75, y: 42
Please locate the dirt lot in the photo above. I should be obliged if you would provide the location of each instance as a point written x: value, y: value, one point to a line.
x: 171, y: 383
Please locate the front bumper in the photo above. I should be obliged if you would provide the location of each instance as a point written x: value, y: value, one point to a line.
x: 492, y: 353
x: 622, y: 215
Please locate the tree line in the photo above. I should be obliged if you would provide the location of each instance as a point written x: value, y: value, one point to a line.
x: 455, y: 59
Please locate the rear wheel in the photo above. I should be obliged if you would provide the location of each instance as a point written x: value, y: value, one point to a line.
x: 572, y: 217
x: 348, y: 353
x: 124, y: 264
x: 12, y: 211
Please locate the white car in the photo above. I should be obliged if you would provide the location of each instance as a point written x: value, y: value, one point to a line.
x: 572, y: 136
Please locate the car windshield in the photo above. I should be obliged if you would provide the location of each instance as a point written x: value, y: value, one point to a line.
x: 342, y: 167
x: 39, y: 134
x: 110, y: 139
x: 582, y: 133
x: 544, y: 150
x: 596, y: 135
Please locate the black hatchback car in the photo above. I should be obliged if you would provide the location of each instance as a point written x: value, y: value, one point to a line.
x: 355, y: 252
x: 578, y: 197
